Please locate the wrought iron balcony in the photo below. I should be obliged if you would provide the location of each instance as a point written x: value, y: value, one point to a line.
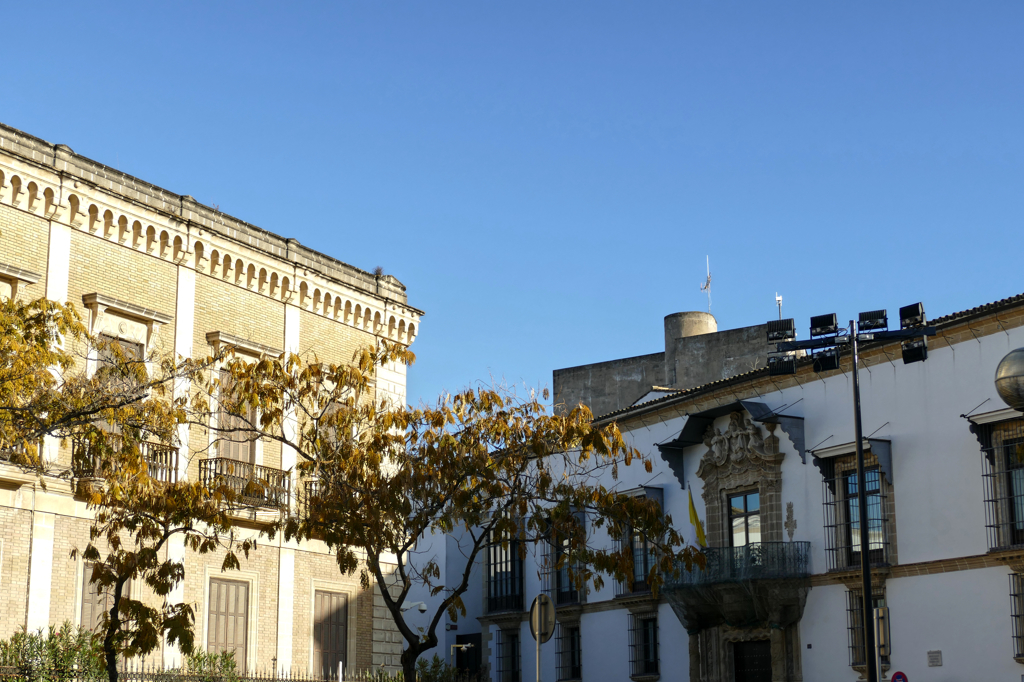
x: 253, y: 485
x: 161, y: 460
x: 755, y: 561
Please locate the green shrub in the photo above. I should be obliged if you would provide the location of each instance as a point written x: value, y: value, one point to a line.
x: 64, y: 653
x: 210, y: 667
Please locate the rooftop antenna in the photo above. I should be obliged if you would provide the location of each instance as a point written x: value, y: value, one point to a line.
x: 707, y: 284
x: 778, y: 302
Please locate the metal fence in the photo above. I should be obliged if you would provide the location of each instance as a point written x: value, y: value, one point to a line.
x: 140, y: 673
x: 254, y: 485
x: 754, y: 561
x: 161, y: 460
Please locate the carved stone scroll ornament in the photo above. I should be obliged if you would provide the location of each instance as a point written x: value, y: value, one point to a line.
x: 740, y: 445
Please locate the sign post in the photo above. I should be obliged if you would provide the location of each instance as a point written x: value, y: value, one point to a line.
x: 542, y: 623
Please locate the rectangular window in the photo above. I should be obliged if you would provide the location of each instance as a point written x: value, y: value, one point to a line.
x: 876, y: 535
x: 235, y: 442
x: 643, y: 644
x: 96, y: 602
x: 570, y: 660
x: 508, y: 656
x: 228, y: 628
x: 330, y: 633
x: 745, y: 518
x: 561, y: 569
x: 1003, y: 473
x: 841, y: 504
x: 641, y: 549
x: 1017, y: 613
x: 855, y: 623
x: 504, y: 575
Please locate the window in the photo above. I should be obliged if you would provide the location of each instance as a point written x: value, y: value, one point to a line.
x: 1017, y: 613
x: 1003, y: 473
x: 855, y: 623
x: 96, y: 602
x: 330, y: 633
x: 842, y: 513
x: 570, y: 660
x: 745, y: 518
x: 235, y: 442
x: 643, y: 644
x: 508, y: 656
x: 561, y: 569
x: 504, y: 575
x: 228, y: 627
x: 641, y: 548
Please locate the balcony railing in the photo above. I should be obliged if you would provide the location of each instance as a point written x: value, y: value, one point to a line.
x: 756, y: 561
x: 161, y: 460
x: 253, y: 485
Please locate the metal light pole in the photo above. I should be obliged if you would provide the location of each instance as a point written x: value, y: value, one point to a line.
x: 862, y: 499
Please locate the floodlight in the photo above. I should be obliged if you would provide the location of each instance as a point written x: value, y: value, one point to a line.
x: 912, y: 316
x: 915, y: 350
x: 781, y: 330
x: 873, y: 319
x: 822, y: 325
x: 784, y: 363
x: 826, y: 360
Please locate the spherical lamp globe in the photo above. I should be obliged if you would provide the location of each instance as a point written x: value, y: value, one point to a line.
x: 1010, y: 379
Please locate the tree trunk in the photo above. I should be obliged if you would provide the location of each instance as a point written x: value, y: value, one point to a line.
x: 113, y: 625
x: 409, y: 657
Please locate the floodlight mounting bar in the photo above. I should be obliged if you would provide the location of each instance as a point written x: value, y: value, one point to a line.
x: 828, y: 342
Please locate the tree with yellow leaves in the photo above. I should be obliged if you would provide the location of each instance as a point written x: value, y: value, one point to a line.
x: 379, y: 478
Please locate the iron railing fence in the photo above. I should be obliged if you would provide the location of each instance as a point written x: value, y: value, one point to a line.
x: 252, y: 484
x: 755, y: 561
x: 1017, y: 613
x: 141, y: 673
x: 1002, y: 471
x: 161, y: 460
x: 841, y: 504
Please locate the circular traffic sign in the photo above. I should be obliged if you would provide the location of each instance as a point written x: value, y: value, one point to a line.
x: 898, y: 677
x: 542, y: 618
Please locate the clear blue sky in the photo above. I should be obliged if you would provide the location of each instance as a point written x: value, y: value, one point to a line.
x: 548, y: 177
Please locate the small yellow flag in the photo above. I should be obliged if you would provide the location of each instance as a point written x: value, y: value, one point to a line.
x: 695, y: 522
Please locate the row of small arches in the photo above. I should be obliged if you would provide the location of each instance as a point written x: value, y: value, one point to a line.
x: 221, y: 265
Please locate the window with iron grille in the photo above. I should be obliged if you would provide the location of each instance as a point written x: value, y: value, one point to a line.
x: 642, y: 550
x: 643, y: 644
x: 842, y: 514
x: 570, y: 660
x: 560, y: 569
x: 504, y: 575
x: 1003, y: 475
x: 507, y: 657
x: 1017, y: 613
x: 855, y: 623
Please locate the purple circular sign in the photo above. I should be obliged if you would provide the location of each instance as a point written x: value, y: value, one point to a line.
x: 898, y: 677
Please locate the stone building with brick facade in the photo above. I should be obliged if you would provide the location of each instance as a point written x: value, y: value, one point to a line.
x: 165, y: 273
x: 767, y: 458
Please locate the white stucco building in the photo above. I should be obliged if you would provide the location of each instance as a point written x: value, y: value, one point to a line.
x: 768, y: 461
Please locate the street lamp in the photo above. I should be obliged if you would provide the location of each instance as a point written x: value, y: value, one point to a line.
x: 830, y: 339
x: 460, y: 647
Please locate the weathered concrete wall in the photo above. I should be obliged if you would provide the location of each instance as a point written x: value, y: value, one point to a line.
x: 710, y: 357
x: 607, y: 386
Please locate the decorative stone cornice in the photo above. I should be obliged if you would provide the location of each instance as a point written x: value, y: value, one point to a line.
x: 52, y: 182
x: 219, y: 339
